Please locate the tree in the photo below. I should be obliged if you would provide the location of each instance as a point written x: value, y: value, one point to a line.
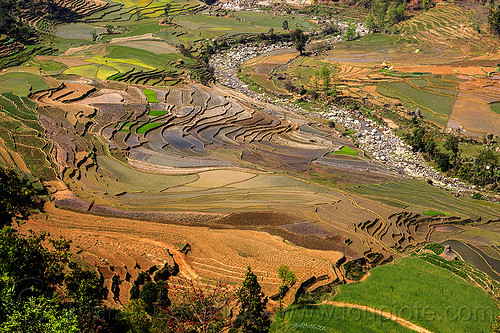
x: 325, y: 74
x: 252, y: 317
x: 18, y: 197
x: 425, y: 4
x: 287, y: 278
x: 285, y: 25
x: 166, y: 11
x: 350, y: 32
x: 451, y: 144
x: 370, y: 22
x: 299, y: 40
x: 379, y: 9
x: 316, y: 79
x: 397, y: 13
x: 443, y: 161
x: 486, y: 167
x: 85, y: 288
x: 494, y: 19
x: 200, y: 309
x: 154, y: 294
x: 95, y: 35
x: 109, y: 29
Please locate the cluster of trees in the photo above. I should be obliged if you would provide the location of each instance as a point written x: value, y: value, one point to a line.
x: 44, y: 290
x: 493, y: 18
x: 11, y: 12
x: 481, y: 170
x: 10, y: 24
x: 384, y: 14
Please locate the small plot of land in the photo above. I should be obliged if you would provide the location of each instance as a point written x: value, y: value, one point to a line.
x: 150, y: 94
x: 409, y: 288
x: 346, y: 151
x: 472, y: 110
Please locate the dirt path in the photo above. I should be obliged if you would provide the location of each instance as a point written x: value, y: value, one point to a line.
x: 384, y: 314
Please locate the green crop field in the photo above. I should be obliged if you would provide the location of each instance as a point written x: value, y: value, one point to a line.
x: 150, y: 94
x: 418, y: 196
x: 263, y: 19
x: 346, y: 151
x: 22, y: 83
x: 157, y: 113
x: 434, y: 213
x: 327, y: 318
x: 440, y: 104
x: 147, y: 127
x: 424, y: 294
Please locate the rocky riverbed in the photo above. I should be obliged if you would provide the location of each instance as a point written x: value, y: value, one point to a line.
x: 379, y: 142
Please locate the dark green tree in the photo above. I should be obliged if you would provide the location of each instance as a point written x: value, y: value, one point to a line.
x: 252, y: 317
x: 299, y: 40
x: 18, y: 197
x: 451, y: 144
x: 285, y: 25
x: 379, y: 10
x: 370, y: 22
x: 493, y: 19
x: 325, y: 74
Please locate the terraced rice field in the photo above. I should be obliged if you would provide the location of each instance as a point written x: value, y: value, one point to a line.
x: 23, y: 141
x: 155, y: 164
x: 419, y: 197
x: 212, y: 151
x: 439, y: 64
x: 121, y: 246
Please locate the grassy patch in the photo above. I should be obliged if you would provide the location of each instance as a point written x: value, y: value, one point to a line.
x: 328, y: 318
x: 434, y: 247
x: 495, y: 107
x: 346, y: 151
x: 157, y: 113
x: 424, y: 294
x: 150, y: 94
x: 434, y: 213
x: 147, y: 127
x: 31, y: 82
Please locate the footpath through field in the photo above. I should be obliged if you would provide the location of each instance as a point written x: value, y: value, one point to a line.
x: 385, y: 314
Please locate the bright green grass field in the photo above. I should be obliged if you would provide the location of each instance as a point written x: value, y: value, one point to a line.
x: 434, y: 213
x: 424, y: 294
x: 157, y: 113
x: 147, y: 127
x: 346, y: 151
x: 143, y: 56
x: 327, y: 318
x: 150, y: 94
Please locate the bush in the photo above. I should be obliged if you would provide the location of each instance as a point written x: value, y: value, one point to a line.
x: 435, y: 247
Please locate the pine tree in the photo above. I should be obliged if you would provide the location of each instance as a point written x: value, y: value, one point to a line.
x: 252, y: 316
